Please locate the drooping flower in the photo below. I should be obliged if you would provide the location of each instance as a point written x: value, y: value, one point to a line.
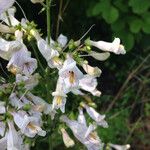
x: 89, y: 83
x: 114, y: 47
x: 29, y: 126
x: 66, y: 138
x: 48, y: 52
x: 86, y: 135
x: 99, y: 56
x: 5, y: 4
x: 92, y: 71
x: 98, y: 118
x: 119, y: 147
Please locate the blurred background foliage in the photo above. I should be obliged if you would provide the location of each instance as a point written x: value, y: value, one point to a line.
x: 125, y: 81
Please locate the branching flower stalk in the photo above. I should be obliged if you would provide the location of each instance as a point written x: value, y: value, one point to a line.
x: 33, y: 105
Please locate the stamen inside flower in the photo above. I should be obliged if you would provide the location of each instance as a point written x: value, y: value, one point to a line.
x: 93, y: 135
x: 71, y: 77
x: 59, y: 100
x: 13, y: 69
x: 32, y: 126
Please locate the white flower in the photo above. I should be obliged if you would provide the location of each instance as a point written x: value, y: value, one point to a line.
x: 30, y: 81
x: 99, y: 56
x: 7, y: 48
x: 119, y: 147
x: 49, y: 53
x: 70, y: 74
x: 11, y: 13
x: 21, y: 62
x: 59, y: 100
x: 86, y: 135
x: 89, y: 83
x: 114, y: 47
x: 37, y: 1
x: 66, y: 138
x: 92, y: 71
x: 5, y: 4
x: 30, y: 126
x: 98, y: 118
x: 14, y: 141
x: 62, y: 40
x: 6, y: 29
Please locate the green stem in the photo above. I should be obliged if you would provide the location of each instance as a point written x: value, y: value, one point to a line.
x: 48, y: 4
x: 9, y: 21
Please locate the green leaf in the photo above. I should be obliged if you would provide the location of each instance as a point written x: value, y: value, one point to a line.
x: 139, y: 6
x: 118, y: 25
x: 100, y: 7
x: 111, y: 15
x: 146, y: 27
x: 135, y: 25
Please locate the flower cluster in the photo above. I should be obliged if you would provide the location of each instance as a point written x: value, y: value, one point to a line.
x: 20, y: 110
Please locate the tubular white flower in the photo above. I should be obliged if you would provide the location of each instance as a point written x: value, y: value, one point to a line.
x: 114, y: 47
x: 98, y: 118
x: 92, y: 71
x: 21, y: 62
x: 89, y: 83
x: 5, y: 4
x: 62, y: 40
x: 11, y: 13
x: 6, y: 29
x: 100, y: 56
x: 86, y: 135
x: 119, y: 147
x: 14, y: 141
x: 49, y: 53
x: 8, y: 48
x: 70, y: 74
x: 30, y: 126
x: 59, y: 100
x: 66, y: 138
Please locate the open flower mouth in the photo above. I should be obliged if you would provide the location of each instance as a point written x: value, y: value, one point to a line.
x: 33, y: 127
x: 13, y: 69
x: 93, y: 136
x: 59, y: 100
x: 71, y: 77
